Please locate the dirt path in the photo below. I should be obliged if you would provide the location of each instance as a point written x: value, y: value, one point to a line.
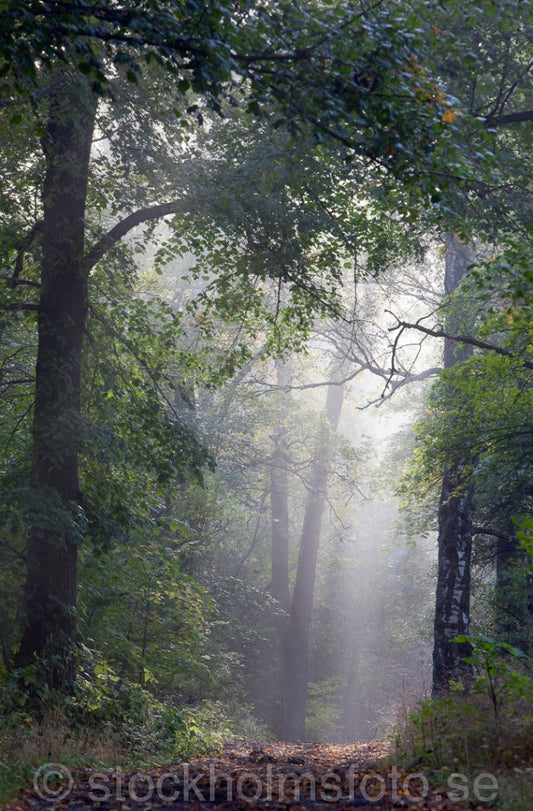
x: 253, y: 776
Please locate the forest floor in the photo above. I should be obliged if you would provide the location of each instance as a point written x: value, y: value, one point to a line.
x: 252, y: 776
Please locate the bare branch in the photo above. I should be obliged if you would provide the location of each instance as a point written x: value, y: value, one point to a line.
x: 256, y: 536
x: 461, y: 339
x: 396, y: 384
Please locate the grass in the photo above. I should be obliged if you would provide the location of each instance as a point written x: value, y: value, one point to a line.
x: 26, y: 743
x: 461, y: 734
x: 136, y: 743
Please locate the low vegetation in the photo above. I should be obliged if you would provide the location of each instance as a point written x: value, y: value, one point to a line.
x: 108, y: 724
x: 487, y: 729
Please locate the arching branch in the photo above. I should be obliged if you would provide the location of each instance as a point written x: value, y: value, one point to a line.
x: 105, y: 243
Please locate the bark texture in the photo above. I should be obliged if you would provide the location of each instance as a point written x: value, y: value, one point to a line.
x: 55, y: 513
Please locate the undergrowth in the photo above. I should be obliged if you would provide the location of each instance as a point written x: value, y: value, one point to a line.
x: 485, y: 729
x: 105, y: 723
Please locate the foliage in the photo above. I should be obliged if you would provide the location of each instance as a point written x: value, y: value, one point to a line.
x: 493, y: 663
x: 525, y: 534
x: 119, y: 53
x: 277, y: 233
x: 351, y: 73
x: 483, y: 54
x: 480, y: 411
x: 138, y: 725
x: 482, y: 407
x: 145, y: 615
x: 323, y: 713
x: 108, y: 723
x: 461, y: 734
x: 135, y: 443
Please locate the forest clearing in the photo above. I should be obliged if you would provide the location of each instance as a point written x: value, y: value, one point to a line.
x: 266, y: 403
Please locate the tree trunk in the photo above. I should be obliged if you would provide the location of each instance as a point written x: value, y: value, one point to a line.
x: 452, y: 608
x: 279, y: 513
x: 512, y: 590
x: 279, y: 498
x: 294, y: 627
x: 55, y: 513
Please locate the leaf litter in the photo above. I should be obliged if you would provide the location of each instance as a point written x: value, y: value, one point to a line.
x: 248, y: 776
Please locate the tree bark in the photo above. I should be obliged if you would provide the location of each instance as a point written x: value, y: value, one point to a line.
x: 279, y: 514
x: 452, y: 605
x: 452, y: 609
x: 55, y: 513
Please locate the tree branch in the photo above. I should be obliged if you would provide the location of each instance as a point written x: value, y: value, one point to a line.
x: 105, y: 243
x: 509, y: 118
x: 25, y: 305
x: 493, y: 532
x: 21, y: 247
x: 461, y: 339
x: 18, y: 381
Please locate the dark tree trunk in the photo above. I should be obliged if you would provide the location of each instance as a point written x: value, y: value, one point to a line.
x: 512, y: 590
x: 294, y: 627
x: 452, y: 607
x: 54, y: 511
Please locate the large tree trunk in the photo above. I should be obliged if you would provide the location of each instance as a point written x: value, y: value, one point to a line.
x: 54, y: 512
x: 294, y: 626
x: 452, y: 608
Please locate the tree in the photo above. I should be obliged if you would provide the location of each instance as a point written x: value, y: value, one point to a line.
x: 294, y: 624
x: 452, y: 608
x: 50, y: 590
x: 478, y: 419
x: 485, y: 60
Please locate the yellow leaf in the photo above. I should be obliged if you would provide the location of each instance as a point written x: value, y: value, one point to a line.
x: 448, y: 116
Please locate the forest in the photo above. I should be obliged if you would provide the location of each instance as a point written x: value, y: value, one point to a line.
x: 266, y: 404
